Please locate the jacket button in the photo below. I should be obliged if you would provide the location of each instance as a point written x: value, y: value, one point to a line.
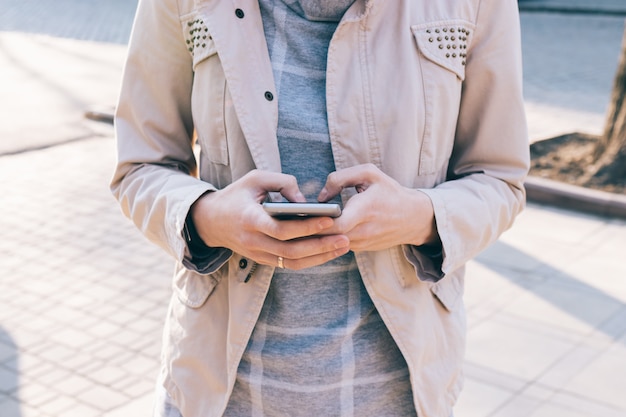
x: 243, y: 263
x: 269, y: 96
x: 239, y: 13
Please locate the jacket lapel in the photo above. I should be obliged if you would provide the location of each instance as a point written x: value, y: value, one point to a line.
x: 237, y: 30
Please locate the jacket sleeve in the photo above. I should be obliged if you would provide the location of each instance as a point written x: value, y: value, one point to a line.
x: 484, y: 189
x: 155, y: 180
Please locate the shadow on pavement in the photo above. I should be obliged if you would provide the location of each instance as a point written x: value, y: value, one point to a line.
x: 9, y: 374
x: 39, y: 73
x: 575, y: 301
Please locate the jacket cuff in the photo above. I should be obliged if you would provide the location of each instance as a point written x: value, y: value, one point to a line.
x: 427, y: 261
x: 199, y: 257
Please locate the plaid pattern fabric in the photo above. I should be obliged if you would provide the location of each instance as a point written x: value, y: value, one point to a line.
x: 319, y: 347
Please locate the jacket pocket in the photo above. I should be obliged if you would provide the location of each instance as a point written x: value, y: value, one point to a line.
x: 193, y: 289
x: 208, y: 90
x: 445, y: 43
x: 197, y: 38
x: 449, y: 290
x: 443, y: 47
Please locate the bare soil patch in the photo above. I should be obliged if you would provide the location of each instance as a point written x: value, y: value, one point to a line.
x: 565, y: 159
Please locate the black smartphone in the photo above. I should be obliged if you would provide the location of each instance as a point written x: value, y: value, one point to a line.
x: 302, y: 210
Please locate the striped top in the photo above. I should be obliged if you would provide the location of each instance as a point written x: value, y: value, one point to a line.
x: 320, y: 346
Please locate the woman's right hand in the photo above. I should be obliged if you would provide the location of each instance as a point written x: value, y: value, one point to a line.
x: 234, y: 218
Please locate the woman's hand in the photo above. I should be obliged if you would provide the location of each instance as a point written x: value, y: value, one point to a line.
x: 234, y: 218
x: 383, y: 213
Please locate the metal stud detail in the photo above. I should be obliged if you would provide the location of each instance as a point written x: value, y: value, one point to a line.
x: 449, y: 42
x: 196, y: 36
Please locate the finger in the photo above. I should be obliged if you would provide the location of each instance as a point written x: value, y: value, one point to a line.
x: 293, y: 252
x: 356, y: 211
x: 359, y: 176
x: 315, y: 260
x: 363, y: 238
x: 286, y: 230
x: 266, y: 181
x: 308, y: 247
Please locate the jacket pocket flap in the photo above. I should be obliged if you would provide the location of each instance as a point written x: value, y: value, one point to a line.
x: 197, y: 37
x: 193, y: 289
x: 445, y: 42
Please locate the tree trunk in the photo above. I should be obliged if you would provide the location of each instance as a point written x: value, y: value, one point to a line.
x: 610, y: 154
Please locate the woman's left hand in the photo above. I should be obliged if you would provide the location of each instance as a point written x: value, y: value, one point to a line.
x: 383, y: 213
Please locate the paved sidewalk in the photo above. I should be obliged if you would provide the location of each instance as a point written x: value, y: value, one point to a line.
x: 83, y: 295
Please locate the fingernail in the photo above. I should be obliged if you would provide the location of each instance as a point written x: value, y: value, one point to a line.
x: 343, y: 251
x: 325, y: 223
x: 342, y: 243
x: 323, y: 194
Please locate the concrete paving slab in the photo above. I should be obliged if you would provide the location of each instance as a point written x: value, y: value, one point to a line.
x: 138, y: 407
x: 493, y: 343
x: 564, y: 404
x: 481, y: 399
x: 554, y: 301
x: 603, y: 378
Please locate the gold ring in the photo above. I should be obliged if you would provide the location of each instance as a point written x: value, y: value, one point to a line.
x: 281, y: 262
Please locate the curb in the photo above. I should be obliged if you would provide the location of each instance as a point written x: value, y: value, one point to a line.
x: 105, y: 115
x: 572, y: 197
x: 543, y: 6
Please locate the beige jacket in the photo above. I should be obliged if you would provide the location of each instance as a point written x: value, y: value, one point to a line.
x: 428, y: 91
